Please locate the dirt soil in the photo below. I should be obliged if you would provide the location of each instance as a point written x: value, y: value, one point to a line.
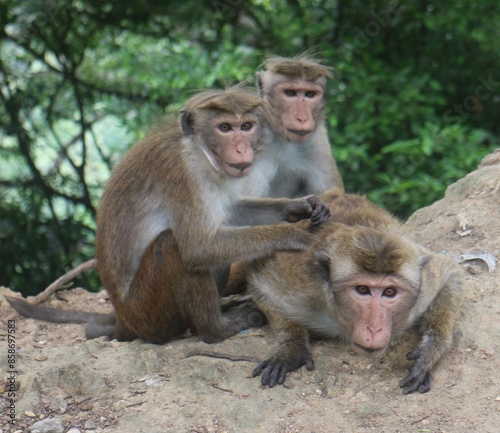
x: 107, y: 386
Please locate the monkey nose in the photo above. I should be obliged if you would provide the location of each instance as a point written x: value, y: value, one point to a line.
x: 241, y: 167
x: 374, y: 329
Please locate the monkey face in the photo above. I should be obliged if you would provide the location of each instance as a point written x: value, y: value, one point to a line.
x: 232, y: 143
x: 373, y: 282
x: 301, y: 104
x: 372, y: 309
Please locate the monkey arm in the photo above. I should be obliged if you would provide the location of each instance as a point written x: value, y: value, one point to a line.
x: 255, y: 211
x: 233, y: 244
x: 445, y: 277
x: 292, y: 351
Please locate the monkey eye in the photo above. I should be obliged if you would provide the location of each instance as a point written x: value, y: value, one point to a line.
x: 310, y: 94
x: 390, y: 292
x: 247, y: 126
x: 290, y: 92
x: 225, y: 127
x: 363, y: 290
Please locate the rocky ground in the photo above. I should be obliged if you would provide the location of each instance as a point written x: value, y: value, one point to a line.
x: 68, y: 384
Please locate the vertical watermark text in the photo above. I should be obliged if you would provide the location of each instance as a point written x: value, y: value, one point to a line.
x: 11, y: 372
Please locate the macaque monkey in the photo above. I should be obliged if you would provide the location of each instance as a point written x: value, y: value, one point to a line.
x: 362, y: 280
x: 298, y: 157
x: 170, y: 222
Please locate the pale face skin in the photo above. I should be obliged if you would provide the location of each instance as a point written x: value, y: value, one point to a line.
x: 300, y: 103
x: 371, y: 309
x: 235, y: 139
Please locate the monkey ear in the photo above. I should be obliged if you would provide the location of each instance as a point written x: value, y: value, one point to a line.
x: 324, y: 263
x: 187, y: 123
x: 260, y: 85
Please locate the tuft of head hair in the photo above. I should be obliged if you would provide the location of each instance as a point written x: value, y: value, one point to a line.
x: 236, y: 99
x: 378, y: 252
x: 303, y: 66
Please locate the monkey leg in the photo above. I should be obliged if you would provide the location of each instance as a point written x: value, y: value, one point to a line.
x: 237, y: 282
x: 150, y: 310
x: 165, y: 299
x: 292, y: 352
x: 203, y: 306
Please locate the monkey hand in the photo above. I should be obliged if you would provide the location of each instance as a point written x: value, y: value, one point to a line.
x: 420, y: 377
x: 275, y: 369
x: 308, y: 207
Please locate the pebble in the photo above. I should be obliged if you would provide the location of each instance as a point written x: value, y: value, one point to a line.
x: 49, y: 425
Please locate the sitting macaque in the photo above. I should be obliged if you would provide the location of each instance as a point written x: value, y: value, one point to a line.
x: 298, y: 157
x: 172, y: 220
x: 362, y: 280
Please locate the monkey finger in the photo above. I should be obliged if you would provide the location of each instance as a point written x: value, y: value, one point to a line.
x: 320, y: 214
x: 297, y: 213
x: 269, y: 376
x: 274, y: 374
x: 260, y: 368
x: 426, y: 384
x: 282, y: 375
x: 418, y: 378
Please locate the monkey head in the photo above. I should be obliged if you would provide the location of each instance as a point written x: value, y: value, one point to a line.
x: 372, y: 284
x: 295, y: 90
x: 228, y: 126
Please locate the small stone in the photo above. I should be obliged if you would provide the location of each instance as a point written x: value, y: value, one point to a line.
x: 474, y: 269
x: 30, y: 414
x: 120, y: 405
x: 50, y: 425
x: 74, y: 430
x: 89, y: 424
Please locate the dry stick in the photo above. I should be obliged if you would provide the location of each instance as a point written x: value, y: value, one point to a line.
x: 135, y: 404
x: 57, y: 284
x: 222, y: 356
x: 77, y: 403
x: 39, y: 392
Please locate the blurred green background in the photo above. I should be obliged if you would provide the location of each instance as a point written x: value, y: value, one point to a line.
x: 414, y: 104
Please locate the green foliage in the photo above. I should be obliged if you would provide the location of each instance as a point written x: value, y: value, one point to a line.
x: 413, y: 106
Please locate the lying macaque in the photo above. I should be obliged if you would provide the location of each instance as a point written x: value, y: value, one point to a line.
x: 362, y: 280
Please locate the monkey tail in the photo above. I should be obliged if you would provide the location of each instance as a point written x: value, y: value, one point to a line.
x: 53, y: 315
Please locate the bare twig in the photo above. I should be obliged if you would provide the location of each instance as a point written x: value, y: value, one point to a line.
x: 135, y: 404
x: 39, y: 392
x: 216, y: 386
x: 420, y: 419
x: 61, y: 281
x: 78, y: 403
x: 90, y: 353
x: 222, y: 356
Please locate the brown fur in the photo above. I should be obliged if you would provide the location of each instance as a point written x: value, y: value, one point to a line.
x: 303, y: 66
x: 361, y: 281
x: 170, y: 222
x: 299, y: 155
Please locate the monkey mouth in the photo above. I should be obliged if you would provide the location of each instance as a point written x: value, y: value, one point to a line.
x: 298, y: 135
x: 301, y: 133
x: 371, y: 352
x: 239, y: 169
